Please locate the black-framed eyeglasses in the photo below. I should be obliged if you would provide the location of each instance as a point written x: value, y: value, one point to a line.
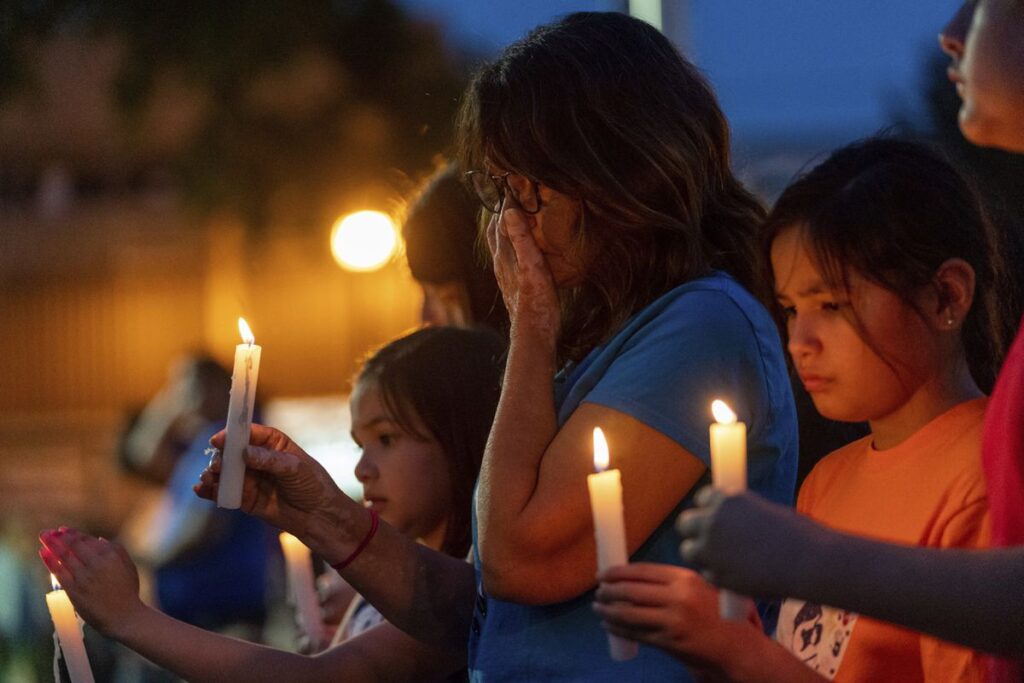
x: 491, y: 190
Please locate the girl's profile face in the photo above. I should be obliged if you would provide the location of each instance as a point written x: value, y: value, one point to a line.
x: 404, y: 477
x: 849, y: 379
x: 986, y: 42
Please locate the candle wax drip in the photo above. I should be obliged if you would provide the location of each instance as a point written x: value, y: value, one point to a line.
x: 56, y: 657
x: 242, y: 414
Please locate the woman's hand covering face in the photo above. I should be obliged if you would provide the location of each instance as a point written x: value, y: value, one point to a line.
x: 523, y: 274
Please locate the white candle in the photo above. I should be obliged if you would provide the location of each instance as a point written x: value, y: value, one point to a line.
x: 605, y: 487
x: 301, y: 587
x: 728, y: 474
x: 69, y: 634
x: 240, y: 405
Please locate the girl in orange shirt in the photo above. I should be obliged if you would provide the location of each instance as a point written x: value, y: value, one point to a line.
x: 886, y: 273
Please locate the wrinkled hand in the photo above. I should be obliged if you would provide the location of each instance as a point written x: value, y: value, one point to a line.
x: 671, y: 608
x: 97, y: 574
x: 523, y: 274
x: 283, y: 485
x: 744, y: 542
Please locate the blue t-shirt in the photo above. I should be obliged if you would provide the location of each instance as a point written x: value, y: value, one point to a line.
x: 706, y: 339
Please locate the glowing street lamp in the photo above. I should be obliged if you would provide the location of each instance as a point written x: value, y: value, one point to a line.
x: 364, y: 241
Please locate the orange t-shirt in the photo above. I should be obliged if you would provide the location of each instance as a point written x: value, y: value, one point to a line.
x: 927, y: 491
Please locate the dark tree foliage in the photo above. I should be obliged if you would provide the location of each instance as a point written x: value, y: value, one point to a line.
x: 386, y: 110
x: 19, y: 21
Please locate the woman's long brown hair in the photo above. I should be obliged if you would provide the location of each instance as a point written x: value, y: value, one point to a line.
x: 602, y: 107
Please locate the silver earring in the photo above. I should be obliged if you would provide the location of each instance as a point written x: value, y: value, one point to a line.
x: 950, y: 320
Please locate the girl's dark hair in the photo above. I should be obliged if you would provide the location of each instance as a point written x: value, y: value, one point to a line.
x: 445, y: 380
x: 893, y: 211
x: 602, y: 107
x: 440, y: 233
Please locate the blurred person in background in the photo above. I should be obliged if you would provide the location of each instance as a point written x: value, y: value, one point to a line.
x: 446, y: 258
x: 207, y: 566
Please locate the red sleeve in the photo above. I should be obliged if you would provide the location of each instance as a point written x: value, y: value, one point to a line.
x: 1003, y: 449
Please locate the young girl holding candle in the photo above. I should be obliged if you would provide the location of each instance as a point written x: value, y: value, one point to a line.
x: 885, y: 268
x: 421, y: 410
x: 626, y: 254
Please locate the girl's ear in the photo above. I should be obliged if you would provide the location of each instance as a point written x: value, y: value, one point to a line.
x: 954, y: 286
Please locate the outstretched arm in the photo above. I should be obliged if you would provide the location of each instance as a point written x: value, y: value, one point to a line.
x: 102, y: 583
x: 674, y: 609
x: 970, y: 597
x: 425, y: 593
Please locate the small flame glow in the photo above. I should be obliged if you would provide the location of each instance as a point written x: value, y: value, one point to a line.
x: 246, y: 332
x: 54, y: 582
x: 600, y: 451
x: 722, y: 412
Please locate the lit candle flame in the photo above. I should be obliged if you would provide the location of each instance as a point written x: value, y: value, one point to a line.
x: 54, y: 582
x: 247, y: 335
x: 600, y: 451
x: 722, y: 412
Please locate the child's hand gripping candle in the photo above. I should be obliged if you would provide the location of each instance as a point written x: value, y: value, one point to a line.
x: 609, y: 528
x: 729, y: 475
x: 69, y: 635
x: 301, y: 588
x: 240, y: 405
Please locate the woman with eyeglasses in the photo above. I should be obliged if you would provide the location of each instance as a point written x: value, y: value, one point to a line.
x: 624, y: 248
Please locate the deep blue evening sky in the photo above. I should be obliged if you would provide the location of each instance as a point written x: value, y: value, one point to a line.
x: 825, y: 69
